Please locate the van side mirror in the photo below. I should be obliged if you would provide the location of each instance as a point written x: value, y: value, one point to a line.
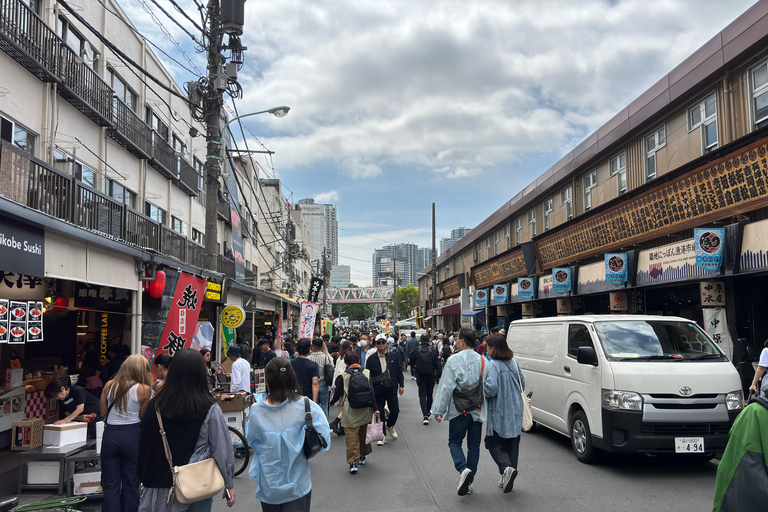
x: 586, y: 355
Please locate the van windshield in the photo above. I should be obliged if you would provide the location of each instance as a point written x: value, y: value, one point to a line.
x: 650, y: 340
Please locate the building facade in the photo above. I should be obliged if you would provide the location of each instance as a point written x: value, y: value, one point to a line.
x: 340, y: 276
x: 456, y: 234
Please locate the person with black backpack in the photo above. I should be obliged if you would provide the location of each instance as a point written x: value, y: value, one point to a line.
x: 426, y: 365
x: 461, y: 401
x: 354, y: 386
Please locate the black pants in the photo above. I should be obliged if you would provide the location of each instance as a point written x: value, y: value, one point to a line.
x: 426, y: 384
x: 504, y: 451
x: 119, y: 476
x: 390, y: 398
x: 300, y: 505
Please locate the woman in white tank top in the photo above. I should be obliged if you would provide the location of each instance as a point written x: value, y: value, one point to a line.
x: 123, y: 402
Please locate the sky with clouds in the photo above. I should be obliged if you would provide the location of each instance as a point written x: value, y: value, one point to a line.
x: 398, y: 104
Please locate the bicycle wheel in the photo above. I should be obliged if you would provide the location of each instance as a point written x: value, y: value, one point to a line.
x: 240, y: 447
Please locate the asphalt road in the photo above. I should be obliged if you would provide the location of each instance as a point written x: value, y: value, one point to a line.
x: 415, y: 473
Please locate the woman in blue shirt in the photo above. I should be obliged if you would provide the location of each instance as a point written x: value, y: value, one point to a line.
x: 275, y: 431
x: 503, y: 383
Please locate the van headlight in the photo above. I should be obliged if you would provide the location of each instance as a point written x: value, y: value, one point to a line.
x: 622, y: 400
x: 734, y: 400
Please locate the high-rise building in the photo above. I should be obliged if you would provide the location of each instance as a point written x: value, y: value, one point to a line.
x: 423, y: 259
x: 340, y: 276
x: 406, y: 258
x: 456, y: 234
x: 325, y: 230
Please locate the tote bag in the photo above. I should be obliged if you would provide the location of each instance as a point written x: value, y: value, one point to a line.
x: 527, y: 414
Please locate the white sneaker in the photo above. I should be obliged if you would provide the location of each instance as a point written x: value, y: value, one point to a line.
x: 425, y: 421
x: 392, y: 432
x: 501, y: 482
x: 469, y: 490
x: 508, y: 478
x: 382, y: 442
x: 465, y: 482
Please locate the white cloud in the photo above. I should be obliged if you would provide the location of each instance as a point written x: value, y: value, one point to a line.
x: 457, y: 172
x: 327, y: 197
x: 357, y: 168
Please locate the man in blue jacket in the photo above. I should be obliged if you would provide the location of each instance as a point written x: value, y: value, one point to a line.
x: 387, y: 377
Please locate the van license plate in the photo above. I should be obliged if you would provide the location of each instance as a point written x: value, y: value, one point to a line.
x: 689, y: 445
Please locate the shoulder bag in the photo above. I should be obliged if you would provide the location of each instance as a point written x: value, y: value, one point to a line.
x: 328, y: 371
x: 527, y: 413
x: 467, y: 400
x: 192, y: 482
x: 314, y: 442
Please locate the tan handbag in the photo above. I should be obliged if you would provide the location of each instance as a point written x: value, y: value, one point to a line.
x: 194, y: 482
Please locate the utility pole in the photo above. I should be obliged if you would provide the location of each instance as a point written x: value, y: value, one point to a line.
x: 325, y: 271
x: 434, y: 265
x: 394, y: 273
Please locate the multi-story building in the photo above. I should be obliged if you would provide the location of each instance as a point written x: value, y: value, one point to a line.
x: 325, y: 231
x: 687, y: 157
x: 423, y: 259
x: 331, y: 235
x: 408, y: 259
x: 275, y: 276
x: 340, y: 276
x: 456, y: 234
x: 101, y: 164
x: 300, y: 270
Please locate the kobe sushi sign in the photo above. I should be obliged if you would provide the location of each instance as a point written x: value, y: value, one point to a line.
x: 22, y: 248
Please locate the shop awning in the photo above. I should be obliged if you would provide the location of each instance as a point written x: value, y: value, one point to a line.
x: 427, y: 318
x: 296, y: 301
x: 453, y: 309
x: 473, y: 313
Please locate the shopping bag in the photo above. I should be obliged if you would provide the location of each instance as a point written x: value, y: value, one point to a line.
x: 374, y: 432
x: 527, y: 413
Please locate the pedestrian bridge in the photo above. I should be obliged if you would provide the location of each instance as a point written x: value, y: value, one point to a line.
x: 370, y: 295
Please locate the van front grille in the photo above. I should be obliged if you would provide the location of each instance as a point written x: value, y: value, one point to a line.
x: 688, y: 430
x: 680, y: 397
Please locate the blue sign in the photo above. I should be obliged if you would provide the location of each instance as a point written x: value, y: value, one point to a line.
x: 561, y: 280
x: 709, y: 248
x: 499, y: 294
x: 616, y: 268
x: 525, y: 288
x: 481, y: 298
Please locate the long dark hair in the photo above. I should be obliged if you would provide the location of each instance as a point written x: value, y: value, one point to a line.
x: 281, y: 381
x: 185, y: 394
x: 501, y: 350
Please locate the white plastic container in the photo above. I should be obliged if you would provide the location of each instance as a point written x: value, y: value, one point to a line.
x: 69, y: 433
x: 45, y: 472
x: 87, y: 482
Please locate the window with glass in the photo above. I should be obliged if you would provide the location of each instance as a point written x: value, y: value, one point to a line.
x: 566, y: 199
x: 479, y: 249
x: 518, y: 229
x: 84, y: 173
x: 78, y: 44
x: 547, y: 207
x: 590, y: 182
x: 704, y: 115
x: 653, y: 143
x: 178, y: 225
x: 578, y: 336
x: 122, y: 91
x: 154, y: 212
x: 154, y: 122
x: 118, y: 192
x: 200, y: 170
x: 197, y: 236
x: 506, y: 236
x: 759, y: 84
x: 488, y: 247
x: 18, y: 135
x: 619, y: 169
x: 496, y: 243
x: 532, y: 221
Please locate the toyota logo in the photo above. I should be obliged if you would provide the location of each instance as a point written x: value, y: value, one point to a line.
x: 685, y: 391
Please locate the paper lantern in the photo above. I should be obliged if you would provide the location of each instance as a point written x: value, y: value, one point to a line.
x: 157, y: 286
x: 60, y: 304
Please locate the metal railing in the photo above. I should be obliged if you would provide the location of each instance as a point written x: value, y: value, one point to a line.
x: 222, y: 208
x: 163, y: 157
x: 188, y: 177
x: 174, y: 244
x: 50, y: 191
x: 130, y: 131
x: 97, y: 212
x: 226, y: 266
x: 195, y: 254
x: 84, y: 89
x: 25, y: 37
x: 142, y: 231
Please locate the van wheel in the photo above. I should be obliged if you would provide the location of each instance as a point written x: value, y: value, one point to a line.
x: 581, y: 438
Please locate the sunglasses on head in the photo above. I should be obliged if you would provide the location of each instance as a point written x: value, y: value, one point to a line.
x: 381, y: 342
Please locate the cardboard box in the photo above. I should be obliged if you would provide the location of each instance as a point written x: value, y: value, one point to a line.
x: 27, y: 434
x: 87, y: 482
x: 44, y: 472
x: 14, y: 377
x: 69, y: 433
x: 230, y: 402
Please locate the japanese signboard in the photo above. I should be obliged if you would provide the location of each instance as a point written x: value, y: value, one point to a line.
x: 20, y: 286
x: 717, y: 327
x: 502, y: 269
x: 671, y: 262
x: 709, y: 248
x: 754, y: 246
x: 20, y: 322
x: 308, y: 315
x: 214, y: 292
x: 103, y: 298
x: 729, y: 184
x: 232, y: 316
x: 525, y: 288
x: 315, y: 287
x: 591, y: 279
x: 21, y: 248
x: 564, y: 307
x: 481, y: 298
x: 499, y: 295
x: 182, y: 314
x: 561, y: 280
x: 616, y: 268
x: 712, y: 293
x: 618, y: 301
x: 451, y: 288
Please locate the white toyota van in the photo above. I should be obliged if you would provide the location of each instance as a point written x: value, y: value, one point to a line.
x: 628, y: 383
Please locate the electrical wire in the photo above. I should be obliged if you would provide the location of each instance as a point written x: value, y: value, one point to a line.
x: 176, y: 22
x: 183, y: 13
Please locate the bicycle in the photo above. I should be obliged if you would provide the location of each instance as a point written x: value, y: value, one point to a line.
x: 239, y: 444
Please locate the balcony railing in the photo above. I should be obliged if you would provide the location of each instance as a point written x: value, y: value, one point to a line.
x: 50, y: 191
x: 163, y: 157
x: 174, y: 244
x: 188, y: 178
x: 227, y: 266
x: 130, y: 131
x: 97, y: 212
x: 142, y: 231
x: 84, y: 89
x: 28, y: 40
x: 222, y: 208
x: 195, y: 254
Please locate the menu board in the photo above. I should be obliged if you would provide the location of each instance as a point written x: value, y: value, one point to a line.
x: 729, y: 184
x: 20, y: 322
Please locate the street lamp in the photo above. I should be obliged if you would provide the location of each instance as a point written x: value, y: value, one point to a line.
x: 281, y: 111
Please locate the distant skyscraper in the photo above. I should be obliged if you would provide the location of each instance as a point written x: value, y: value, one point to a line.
x: 331, y: 234
x: 456, y: 234
x: 423, y: 259
x: 340, y: 276
x: 408, y: 259
x: 325, y: 230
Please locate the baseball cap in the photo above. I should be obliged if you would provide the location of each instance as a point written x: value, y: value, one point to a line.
x: 390, y: 340
x: 380, y: 337
x: 304, y: 343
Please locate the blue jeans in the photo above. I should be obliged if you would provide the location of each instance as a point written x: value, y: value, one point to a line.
x: 459, y: 427
x: 323, y: 396
x: 202, y: 506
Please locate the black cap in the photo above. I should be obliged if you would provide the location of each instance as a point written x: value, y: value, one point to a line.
x: 234, y: 351
x: 304, y: 343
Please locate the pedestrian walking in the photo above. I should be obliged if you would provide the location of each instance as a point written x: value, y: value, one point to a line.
x: 307, y: 371
x: 462, y: 375
x: 263, y: 353
x: 161, y: 364
x: 355, y: 390
x: 410, y: 345
x: 195, y: 429
x: 324, y: 363
x: 276, y: 430
x: 387, y: 378
x: 426, y: 364
x: 212, y: 367
x: 123, y: 403
x: 762, y: 366
x: 503, y: 393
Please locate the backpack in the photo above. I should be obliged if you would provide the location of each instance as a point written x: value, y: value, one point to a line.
x: 467, y: 400
x: 447, y: 352
x: 359, y: 389
x: 423, y: 364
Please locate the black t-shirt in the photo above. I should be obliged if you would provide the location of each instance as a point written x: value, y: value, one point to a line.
x: 77, y: 396
x: 305, y: 370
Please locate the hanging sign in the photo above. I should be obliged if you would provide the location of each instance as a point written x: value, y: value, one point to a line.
x: 308, y: 315
x: 561, y: 280
x: 709, y: 248
x: 34, y: 321
x: 232, y: 316
x: 528, y: 309
x: 315, y: 285
x: 499, y: 295
x: 182, y: 314
x: 716, y: 325
x: 712, y: 293
x: 564, y: 307
x: 525, y: 288
x: 616, y: 268
x: 481, y: 298
x: 22, y: 248
x: 618, y: 301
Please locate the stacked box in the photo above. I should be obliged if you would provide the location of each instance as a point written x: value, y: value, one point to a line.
x: 69, y: 433
x: 27, y: 434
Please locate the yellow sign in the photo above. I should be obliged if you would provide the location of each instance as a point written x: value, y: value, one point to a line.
x: 232, y: 316
x: 212, y: 291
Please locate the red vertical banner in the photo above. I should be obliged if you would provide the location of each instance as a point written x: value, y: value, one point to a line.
x: 183, y: 312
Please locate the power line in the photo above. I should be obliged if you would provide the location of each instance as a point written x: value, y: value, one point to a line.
x: 176, y: 22
x: 183, y: 13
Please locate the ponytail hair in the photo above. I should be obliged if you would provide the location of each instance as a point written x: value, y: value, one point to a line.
x: 281, y: 381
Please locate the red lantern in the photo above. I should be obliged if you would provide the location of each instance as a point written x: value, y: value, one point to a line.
x: 157, y: 286
x: 60, y: 304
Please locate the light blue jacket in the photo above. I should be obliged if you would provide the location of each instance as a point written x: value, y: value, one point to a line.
x: 461, y: 371
x: 276, y: 434
x: 502, y: 393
